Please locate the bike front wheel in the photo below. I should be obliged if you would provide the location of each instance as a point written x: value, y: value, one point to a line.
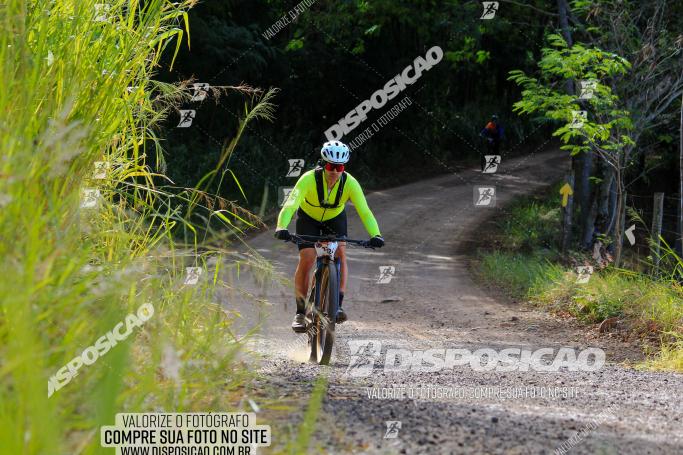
x: 324, y: 316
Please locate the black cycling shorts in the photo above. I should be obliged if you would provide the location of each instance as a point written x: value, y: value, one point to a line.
x: 305, y: 225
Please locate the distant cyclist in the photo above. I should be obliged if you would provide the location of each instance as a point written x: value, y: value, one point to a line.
x: 493, y: 133
x: 320, y: 196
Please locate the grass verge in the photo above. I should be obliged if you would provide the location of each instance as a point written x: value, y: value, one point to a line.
x: 96, y: 304
x: 526, y: 263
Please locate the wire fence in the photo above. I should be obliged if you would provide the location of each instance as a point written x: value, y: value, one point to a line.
x: 644, y: 205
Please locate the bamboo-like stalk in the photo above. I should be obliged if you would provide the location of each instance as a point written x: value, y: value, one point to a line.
x: 71, y: 273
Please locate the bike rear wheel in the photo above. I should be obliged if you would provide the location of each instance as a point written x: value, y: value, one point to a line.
x: 324, y: 316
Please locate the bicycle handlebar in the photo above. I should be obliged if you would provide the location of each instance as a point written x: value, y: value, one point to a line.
x: 300, y: 238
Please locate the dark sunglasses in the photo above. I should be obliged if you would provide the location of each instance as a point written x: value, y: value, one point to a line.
x: 330, y: 167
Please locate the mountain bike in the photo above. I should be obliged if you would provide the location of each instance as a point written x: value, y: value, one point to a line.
x: 323, y: 293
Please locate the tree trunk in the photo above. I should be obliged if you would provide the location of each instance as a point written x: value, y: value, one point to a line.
x: 621, y: 159
x: 563, y: 11
x: 604, y: 226
x: 587, y: 216
x: 612, y: 198
x: 582, y: 164
x: 567, y: 217
x: 621, y: 219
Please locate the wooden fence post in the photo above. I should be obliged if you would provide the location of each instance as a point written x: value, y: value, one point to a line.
x: 619, y: 233
x: 678, y: 244
x: 657, y: 214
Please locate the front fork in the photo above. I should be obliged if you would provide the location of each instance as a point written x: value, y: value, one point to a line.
x: 319, y: 264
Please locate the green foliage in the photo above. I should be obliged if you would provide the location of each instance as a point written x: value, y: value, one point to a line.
x: 335, y: 55
x: 515, y: 273
x: 295, y: 44
x: 547, y: 96
x: 648, y: 304
x: 526, y: 270
x: 532, y: 223
x: 72, y: 273
x: 670, y: 358
x: 482, y: 56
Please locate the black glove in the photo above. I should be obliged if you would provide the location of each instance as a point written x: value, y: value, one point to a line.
x: 376, y: 242
x: 282, y: 234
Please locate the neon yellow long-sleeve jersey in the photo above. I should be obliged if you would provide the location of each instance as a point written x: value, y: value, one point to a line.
x: 305, y: 195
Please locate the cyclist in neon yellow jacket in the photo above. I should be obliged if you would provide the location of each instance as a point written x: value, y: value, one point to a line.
x: 319, y: 199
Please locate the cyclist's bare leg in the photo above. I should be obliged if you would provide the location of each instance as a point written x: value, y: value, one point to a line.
x: 341, y: 254
x: 302, y: 276
x: 344, y: 272
x: 301, y: 281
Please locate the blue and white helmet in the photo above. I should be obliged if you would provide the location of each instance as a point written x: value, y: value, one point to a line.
x: 335, y: 152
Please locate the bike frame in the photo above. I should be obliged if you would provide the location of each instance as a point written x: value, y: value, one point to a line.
x: 321, y: 339
x: 326, y: 253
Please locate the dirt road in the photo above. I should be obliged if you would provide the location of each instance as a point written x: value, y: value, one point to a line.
x: 431, y: 302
